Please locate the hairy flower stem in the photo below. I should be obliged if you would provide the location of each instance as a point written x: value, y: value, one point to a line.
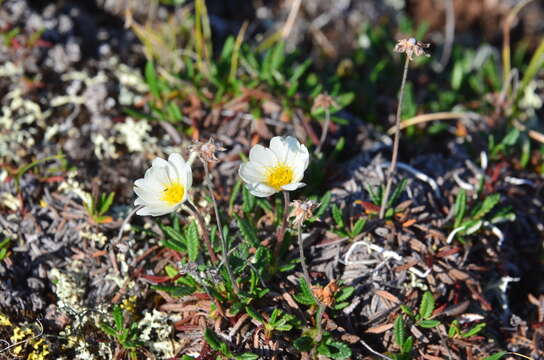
x: 281, y: 231
x: 208, y: 182
x: 325, y: 130
x: 191, y: 208
x: 321, y: 307
x: 393, y: 166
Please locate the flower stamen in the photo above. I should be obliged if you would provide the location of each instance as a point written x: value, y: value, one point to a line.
x: 173, y: 193
x: 278, y: 176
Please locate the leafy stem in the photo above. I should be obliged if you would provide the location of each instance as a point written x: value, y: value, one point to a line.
x: 191, y: 208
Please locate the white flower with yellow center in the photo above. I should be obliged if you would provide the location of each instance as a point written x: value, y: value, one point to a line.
x: 277, y: 168
x: 164, y: 187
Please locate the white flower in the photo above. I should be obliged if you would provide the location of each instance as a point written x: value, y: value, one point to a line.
x: 280, y: 167
x: 164, y: 186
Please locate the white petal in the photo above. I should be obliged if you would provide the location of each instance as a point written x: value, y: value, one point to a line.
x: 262, y: 156
x: 280, y: 147
x: 293, y: 186
x: 188, y: 173
x: 145, y: 211
x: 260, y: 190
x: 251, y: 172
x: 178, y: 162
x: 159, y: 162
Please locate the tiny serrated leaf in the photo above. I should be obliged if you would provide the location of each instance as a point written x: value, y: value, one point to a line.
x: 212, y: 339
x: 337, y: 215
x: 118, y: 317
x: 399, y: 331
x: 358, y: 227
x: 486, y: 206
x: 474, y: 330
x: 460, y: 207
x: 248, y: 231
x: 496, y: 356
x: 192, y: 241
x: 254, y: 314
x: 426, y: 307
x: 428, y: 324
x: 344, y: 293
x: 324, y: 205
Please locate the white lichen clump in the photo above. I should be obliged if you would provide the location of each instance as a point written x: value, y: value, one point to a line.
x: 155, y: 330
x: 135, y: 134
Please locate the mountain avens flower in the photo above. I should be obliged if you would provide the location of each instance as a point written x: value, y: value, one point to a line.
x: 277, y: 168
x: 164, y: 187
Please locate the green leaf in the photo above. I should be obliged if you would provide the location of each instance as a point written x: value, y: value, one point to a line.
x: 460, y: 207
x: 453, y: 329
x: 177, y: 240
x: 108, y: 329
x: 303, y: 343
x: 246, y: 356
x: 405, y: 309
x: 151, y: 79
x: 175, y: 291
x: 105, y: 203
x: 496, y: 356
x: 337, y: 215
x: 234, y: 194
x: 397, y: 192
x: 193, y: 241
x: 344, y: 293
x: 324, y: 205
x: 212, y: 340
x: 118, y: 317
x: 407, y: 345
x: 474, y: 330
x: 248, y: 231
x: 306, y: 297
x: 428, y: 324
x: 426, y: 307
x: 358, y: 227
x: 254, y: 314
x: 334, y: 349
x: 472, y: 226
x: 487, y: 205
x: 398, y: 330
x: 248, y: 201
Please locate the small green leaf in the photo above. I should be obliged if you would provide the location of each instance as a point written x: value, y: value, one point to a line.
x: 487, y: 205
x: 193, y: 241
x: 306, y: 297
x: 118, y: 317
x: 397, y: 192
x: 496, y: 356
x: 428, y: 324
x: 407, y: 346
x: 248, y: 201
x: 108, y: 329
x: 344, y: 293
x: 474, y: 330
x: 334, y: 349
x: 426, y: 307
x: 105, y: 203
x: 398, y: 330
x: 254, y: 314
x: 212, y: 340
x: 460, y: 207
x: 175, y: 291
x: 246, y: 356
x: 303, y: 344
x: 358, y: 227
x: 337, y: 215
x: 151, y: 79
x: 248, y: 231
x: 324, y: 205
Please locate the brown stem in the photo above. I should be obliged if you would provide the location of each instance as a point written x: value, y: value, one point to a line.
x: 306, y: 273
x: 220, y: 229
x: 325, y: 130
x: 205, y: 234
x: 394, y: 157
x: 281, y: 231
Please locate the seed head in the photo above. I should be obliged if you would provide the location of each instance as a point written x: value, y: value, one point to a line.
x: 412, y: 47
x: 302, y: 211
x: 206, y: 151
x: 323, y: 101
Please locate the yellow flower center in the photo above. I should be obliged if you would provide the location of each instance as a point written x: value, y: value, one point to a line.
x: 173, y: 193
x: 278, y: 176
